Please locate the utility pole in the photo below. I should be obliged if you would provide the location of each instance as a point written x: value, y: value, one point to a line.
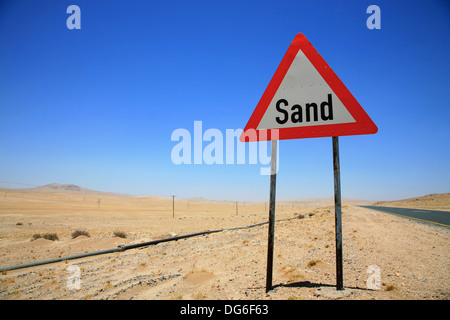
x: 173, y: 206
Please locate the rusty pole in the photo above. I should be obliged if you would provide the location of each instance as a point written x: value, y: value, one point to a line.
x: 273, y: 178
x: 338, y: 219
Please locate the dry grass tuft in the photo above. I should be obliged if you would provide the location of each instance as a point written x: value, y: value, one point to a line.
x: 120, y: 234
x: 312, y: 263
x: 78, y: 233
x: 47, y: 236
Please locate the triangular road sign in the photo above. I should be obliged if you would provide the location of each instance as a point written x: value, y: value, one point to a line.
x: 306, y: 99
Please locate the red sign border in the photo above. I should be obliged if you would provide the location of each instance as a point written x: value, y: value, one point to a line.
x: 362, y: 125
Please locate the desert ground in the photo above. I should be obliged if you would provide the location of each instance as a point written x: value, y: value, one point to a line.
x: 412, y: 257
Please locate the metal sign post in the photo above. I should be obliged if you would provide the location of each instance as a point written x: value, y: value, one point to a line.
x: 273, y: 179
x: 337, y: 210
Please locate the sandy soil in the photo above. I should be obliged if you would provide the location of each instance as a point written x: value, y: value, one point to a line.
x: 413, y: 257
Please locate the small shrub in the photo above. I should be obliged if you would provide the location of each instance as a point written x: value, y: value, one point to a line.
x: 80, y: 233
x: 301, y: 216
x: 50, y: 236
x: 292, y: 273
x: 389, y: 287
x: 199, y: 296
x: 120, y: 234
x: 312, y: 263
x: 19, y: 224
x: 47, y: 236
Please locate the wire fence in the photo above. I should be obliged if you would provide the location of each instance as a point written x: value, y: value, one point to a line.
x: 158, y: 206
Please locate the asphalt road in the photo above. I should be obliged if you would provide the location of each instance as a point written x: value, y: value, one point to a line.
x: 441, y: 218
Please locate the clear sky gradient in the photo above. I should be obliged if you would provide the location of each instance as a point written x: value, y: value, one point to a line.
x: 97, y: 106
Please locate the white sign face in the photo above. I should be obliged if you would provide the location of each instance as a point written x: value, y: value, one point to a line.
x: 304, y: 99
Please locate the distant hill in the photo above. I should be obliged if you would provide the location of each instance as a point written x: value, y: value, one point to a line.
x: 437, y: 201
x: 63, y: 188
x: 57, y: 187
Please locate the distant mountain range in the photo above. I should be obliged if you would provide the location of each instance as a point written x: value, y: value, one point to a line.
x: 433, y: 200
x: 57, y: 187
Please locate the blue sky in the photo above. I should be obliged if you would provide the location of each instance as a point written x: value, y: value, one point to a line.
x: 97, y: 106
